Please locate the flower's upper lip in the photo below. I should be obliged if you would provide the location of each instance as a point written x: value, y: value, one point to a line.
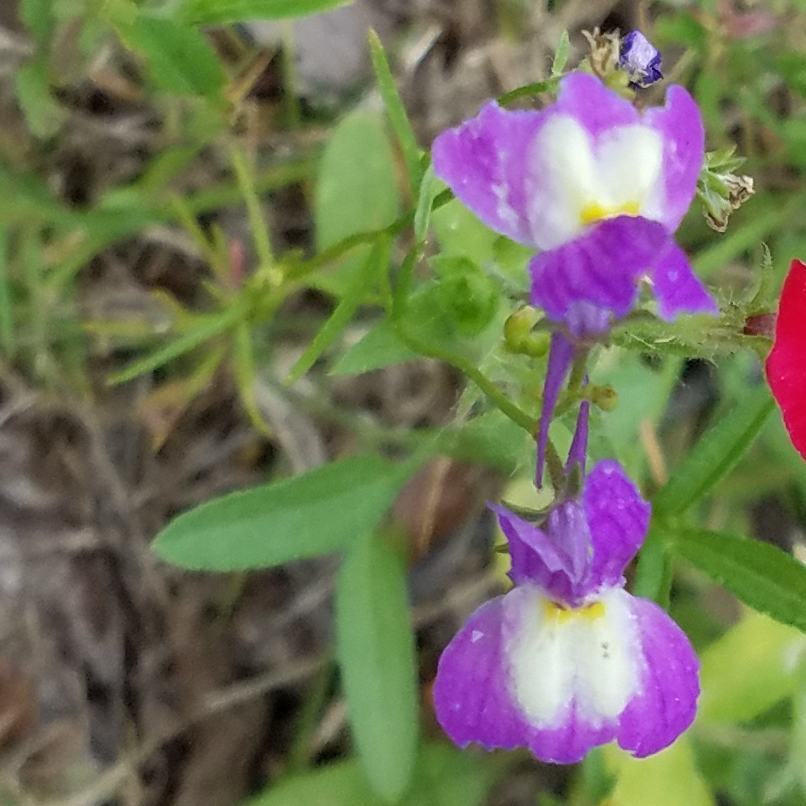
x: 585, y: 544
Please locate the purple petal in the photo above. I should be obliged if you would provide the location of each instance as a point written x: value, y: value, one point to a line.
x: 670, y: 685
x: 618, y: 518
x: 483, y: 161
x: 602, y: 267
x: 471, y: 696
x: 561, y: 354
x: 570, y: 743
x: 539, y: 558
x: 680, y: 125
x: 677, y: 288
x: 596, y: 107
x: 578, y: 452
x: 641, y: 59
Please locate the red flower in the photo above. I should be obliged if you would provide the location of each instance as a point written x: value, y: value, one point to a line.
x: 786, y: 364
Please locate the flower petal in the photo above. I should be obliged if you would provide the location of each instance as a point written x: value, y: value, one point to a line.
x: 483, y: 162
x: 667, y: 703
x: 680, y: 125
x: 618, y: 519
x: 640, y: 59
x: 598, y: 108
x: 786, y: 364
x: 471, y: 695
x: 601, y: 269
x: 541, y: 559
x: 677, y: 288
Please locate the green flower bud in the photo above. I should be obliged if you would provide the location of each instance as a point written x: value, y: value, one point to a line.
x: 519, y: 336
x: 466, y: 294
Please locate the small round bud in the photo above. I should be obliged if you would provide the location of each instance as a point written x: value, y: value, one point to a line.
x: 519, y: 336
x: 603, y: 397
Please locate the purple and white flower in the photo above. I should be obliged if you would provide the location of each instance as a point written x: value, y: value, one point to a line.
x: 568, y: 660
x: 597, y: 186
x: 640, y: 59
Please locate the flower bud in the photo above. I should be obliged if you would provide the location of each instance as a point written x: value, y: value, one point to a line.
x: 466, y: 294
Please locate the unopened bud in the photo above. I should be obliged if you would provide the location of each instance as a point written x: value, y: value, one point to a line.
x: 603, y: 397
x: 519, y: 336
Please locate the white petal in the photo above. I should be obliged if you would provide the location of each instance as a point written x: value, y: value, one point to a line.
x: 562, y: 181
x: 590, y: 657
x: 573, y: 180
x: 629, y: 161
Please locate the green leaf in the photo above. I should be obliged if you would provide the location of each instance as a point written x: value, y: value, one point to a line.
x: 356, y: 191
x: 221, y: 12
x: 444, y: 776
x: 425, y: 316
x: 43, y: 113
x: 316, y: 513
x: 653, y: 574
x: 716, y: 454
x: 375, y: 648
x: 379, y: 348
x: 762, y: 576
x: 179, y: 58
x: 738, y: 692
x: 377, y: 261
x: 398, y: 118
x: 561, y: 54
x: 37, y: 16
x: 459, y: 232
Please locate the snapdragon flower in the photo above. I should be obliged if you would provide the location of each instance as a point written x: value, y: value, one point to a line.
x: 786, y: 363
x: 597, y: 186
x: 567, y: 659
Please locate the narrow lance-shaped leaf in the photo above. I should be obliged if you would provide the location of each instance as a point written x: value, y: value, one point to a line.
x: 653, y: 574
x: 396, y: 112
x: 377, y: 261
x: 315, y: 513
x: 762, y: 576
x: 202, y: 328
x: 716, y: 454
x: 375, y: 648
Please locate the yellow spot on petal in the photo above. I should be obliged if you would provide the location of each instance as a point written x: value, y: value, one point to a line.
x: 593, y: 211
x: 562, y: 613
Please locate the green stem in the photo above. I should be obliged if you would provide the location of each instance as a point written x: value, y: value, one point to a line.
x: 473, y: 373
